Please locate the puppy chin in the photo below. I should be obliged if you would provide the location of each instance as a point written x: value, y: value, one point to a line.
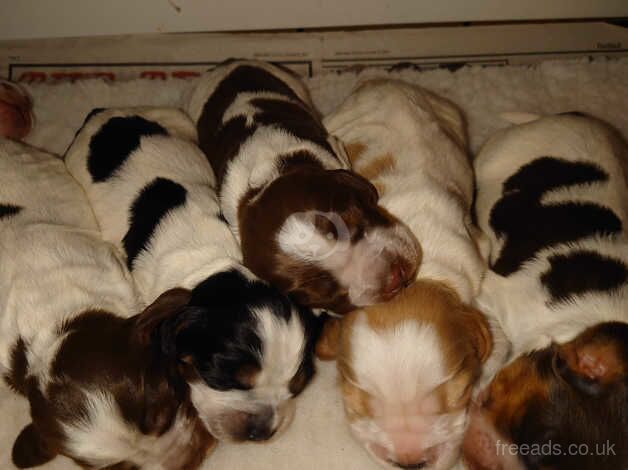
x: 250, y: 422
x: 380, y: 447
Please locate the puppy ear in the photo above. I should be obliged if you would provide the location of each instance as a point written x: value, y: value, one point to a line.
x: 161, y: 386
x: 357, y: 182
x: 165, y: 306
x: 327, y: 344
x: 595, y: 359
x: 30, y: 449
x: 476, y: 326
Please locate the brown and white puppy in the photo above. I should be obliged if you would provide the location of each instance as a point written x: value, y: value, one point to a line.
x: 553, y: 203
x: 102, y: 388
x: 16, y: 117
x: 407, y: 367
x: 306, y: 223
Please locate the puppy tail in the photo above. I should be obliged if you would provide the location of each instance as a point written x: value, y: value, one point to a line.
x: 519, y: 117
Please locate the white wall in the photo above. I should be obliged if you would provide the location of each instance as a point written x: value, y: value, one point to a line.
x: 21, y: 19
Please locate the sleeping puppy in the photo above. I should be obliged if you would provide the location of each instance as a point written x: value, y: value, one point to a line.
x: 553, y: 203
x: 407, y: 367
x: 102, y: 388
x: 305, y: 223
x: 152, y: 192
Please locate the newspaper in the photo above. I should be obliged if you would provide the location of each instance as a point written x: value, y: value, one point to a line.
x: 182, y: 56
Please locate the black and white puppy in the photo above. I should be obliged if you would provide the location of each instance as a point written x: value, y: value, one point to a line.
x: 306, y: 223
x: 102, y: 388
x: 151, y: 190
x: 553, y: 203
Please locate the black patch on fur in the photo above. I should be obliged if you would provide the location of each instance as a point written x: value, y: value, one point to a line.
x: 294, y: 118
x: 529, y: 226
x: 222, y: 218
x: 18, y: 369
x: 580, y: 272
x: 92, y: 113
x: 154, y: 201
x: 7, y: 210
x: 297, y: 160
x: 218, y: 329
x: 115, y: 141
x: 221, y: 142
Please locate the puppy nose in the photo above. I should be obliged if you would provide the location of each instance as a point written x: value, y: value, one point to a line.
x: 259, y: 426
x: 395, y: 280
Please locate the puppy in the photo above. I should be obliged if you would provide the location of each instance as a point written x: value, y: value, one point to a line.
x: 305, y: 223
x: 16, y: 117
x: 102, y: 388
x: 553, y: 204
x: 407, y: 367
x: 152, y: 192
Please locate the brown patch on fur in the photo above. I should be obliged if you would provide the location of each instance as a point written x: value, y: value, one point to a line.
x: 247, y: 375
x: 375, y: 168
x: 355, y: 151
x: 124, y: 358
x: 18, y: 369
x: 327, y: 345
x: 261, y: 216
x: 512, y: 391
x: 463, y: 331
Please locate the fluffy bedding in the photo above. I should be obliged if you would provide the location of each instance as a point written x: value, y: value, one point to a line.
x: 318, y: 438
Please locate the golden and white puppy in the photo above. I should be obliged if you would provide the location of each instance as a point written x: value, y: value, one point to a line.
x: 553, y: 202
x: 407, y: 367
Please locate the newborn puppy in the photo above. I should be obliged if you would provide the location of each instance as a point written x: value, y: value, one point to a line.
x: 16, y: 118
x: 305, y: 223
x: 553, y: 203
x: 407, y: 367
x: 101, y: 388
x: 249, y: 348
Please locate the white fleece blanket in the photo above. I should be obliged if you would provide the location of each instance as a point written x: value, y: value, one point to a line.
x: 318, y: 439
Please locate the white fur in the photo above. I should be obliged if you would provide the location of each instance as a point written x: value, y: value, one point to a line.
x: 51, y: 246
x: 256, y: 166
x: 430, y: 187
x: 190, y: 243
x: 400, y: 368
x: 53, y: 267
x: 106, y: 438
x: 519, y: 302
x: 283, y: 347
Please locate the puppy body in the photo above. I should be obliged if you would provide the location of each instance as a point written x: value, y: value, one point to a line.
x: 190, y: 242
x: 411, y: 144
x: 407, y: 366
x: 67, y: 302
x: 305, y: 223
x: 249, y: 348
x: 553, y: 204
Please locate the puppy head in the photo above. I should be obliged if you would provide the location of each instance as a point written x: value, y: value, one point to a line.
x: 245, y: 351
x: 407, y: 368
x: 16, y: 119
x: 320, y: 236
x: 556, y: 408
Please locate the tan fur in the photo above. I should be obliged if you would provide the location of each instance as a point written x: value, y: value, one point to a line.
x: 463, y: 329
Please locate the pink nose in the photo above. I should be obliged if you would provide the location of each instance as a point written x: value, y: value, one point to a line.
x: 395, y: 280
x: 408, y: 454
